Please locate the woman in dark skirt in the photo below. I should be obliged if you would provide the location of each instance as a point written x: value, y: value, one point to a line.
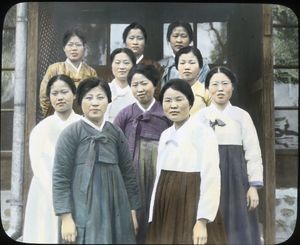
x: 95, y: 189
x: 142, y: 123
x: 240, y: 158
x: 185, y: 197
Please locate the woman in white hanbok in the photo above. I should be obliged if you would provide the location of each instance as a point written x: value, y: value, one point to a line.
x: 240, y: 158
x: 122, y: 60
x: 40, y: 222
x: 185, y: 198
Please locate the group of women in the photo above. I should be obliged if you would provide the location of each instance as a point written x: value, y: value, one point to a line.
x: 159, y: 155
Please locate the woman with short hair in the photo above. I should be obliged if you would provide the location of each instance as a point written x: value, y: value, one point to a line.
x: 240, y: 158
x: 74, y: 46
x: 95, y: 190
x: 185, y: 197
x: 142, y: 123
x: 40, y: 222
x: 122, y: 60
x: 179, y: 35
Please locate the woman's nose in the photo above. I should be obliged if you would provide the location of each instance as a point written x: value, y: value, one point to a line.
x: 220, y: 86
x: 173, y: 104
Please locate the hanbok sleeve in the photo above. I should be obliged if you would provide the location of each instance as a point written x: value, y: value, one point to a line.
x: 120, y: 120
x: 252, y: 152
x: 63, y: 169
x: 210, y: 176
x: 128, y: 172
x: 39, y: 163
x: 158, y: 171
x: 94, y: 73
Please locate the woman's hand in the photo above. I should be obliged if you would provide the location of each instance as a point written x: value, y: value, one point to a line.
x: 68, y: 228
x: 252, y: 198
x: 200, y: 232
x: 135, y: 222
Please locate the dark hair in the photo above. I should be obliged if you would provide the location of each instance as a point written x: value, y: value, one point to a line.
x: 123, y: 50
x: 89, y: 83
x: 73, y: 32
x: 179, y: 85
x: 61, y: 77
x: 134, y: 25
x: 149, y: 71
x: 221, y: 69
x: 186, y: 50
x: 185, y: 25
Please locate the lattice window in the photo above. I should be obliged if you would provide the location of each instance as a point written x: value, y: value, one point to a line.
x: 49, y: 46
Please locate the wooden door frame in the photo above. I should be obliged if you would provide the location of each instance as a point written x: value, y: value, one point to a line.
x: 268, y: 147
x: 267, y: 128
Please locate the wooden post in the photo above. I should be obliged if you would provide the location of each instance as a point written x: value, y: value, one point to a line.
x: 268, y: 149
x: 31, y: 90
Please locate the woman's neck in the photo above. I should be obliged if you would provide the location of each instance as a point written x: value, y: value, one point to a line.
x: 121, y: 83
x: 192, y: 82
x: 97, y: 122
x: 76, y: 63
x: 179, y: 124
x: 64, y: 115
x: 146, y: 105
x: 221, y: 107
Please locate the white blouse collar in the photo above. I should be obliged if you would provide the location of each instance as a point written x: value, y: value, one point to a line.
x: 139, y: 59
x: 93, y: 125
x: 68, y: 61
x: 149, y: 107
x: 119, y: 91
x: 58, y: 119
x: 227, y: 108
x: 175, y: 134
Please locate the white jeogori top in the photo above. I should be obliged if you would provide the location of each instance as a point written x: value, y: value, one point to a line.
x: 121, y: 97
x: 238, y: 130
x: 192, y: 148
x: 40, y: 222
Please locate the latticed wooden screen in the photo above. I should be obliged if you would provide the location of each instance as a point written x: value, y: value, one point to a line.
x: 49, y: 46
x: 49, y: 42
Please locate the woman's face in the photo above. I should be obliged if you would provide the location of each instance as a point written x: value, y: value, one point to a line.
x: 220, y: 88
x: 61, y: 97
x: 94, y: 104
x: 188, y: 67
x: 179, y: 38
x: 121, y: 66
x: 176, y: 106
x: 135, y: 41
x: 74, y: 49
x: 142, y: 89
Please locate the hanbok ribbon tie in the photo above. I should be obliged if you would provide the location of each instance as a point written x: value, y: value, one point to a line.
x: 171, y: 141
x: 217, y: 122
x: 90, y: 160
x: 133, y: 139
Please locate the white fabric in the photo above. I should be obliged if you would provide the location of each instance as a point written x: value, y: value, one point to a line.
x: 192, y: 148
x: 40, y: 222
x: 139, y: 59
x: 142, y: 108
x: 77, y: 69
x: 93, y: 125
x: 239, y: 130
x: 121, y: 97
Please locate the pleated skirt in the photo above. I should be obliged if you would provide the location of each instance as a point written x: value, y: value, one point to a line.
x: 146, y: 178
x: 175, y: 211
